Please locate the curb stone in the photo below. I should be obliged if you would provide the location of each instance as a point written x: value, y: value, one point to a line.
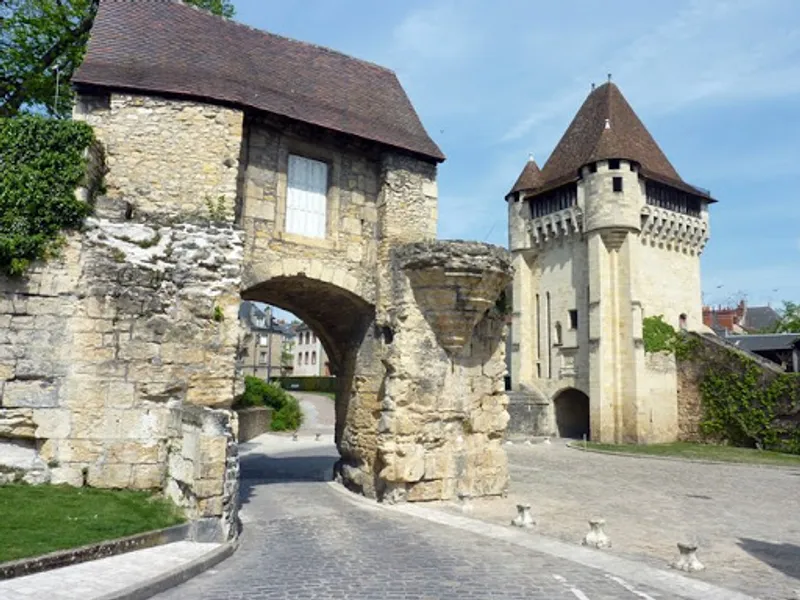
x: 700, y: 461
x: 175, y: 577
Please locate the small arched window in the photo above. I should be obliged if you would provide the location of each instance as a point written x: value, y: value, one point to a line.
x: 313, y: 358
x: 558, y: 333
x: 682, y: 321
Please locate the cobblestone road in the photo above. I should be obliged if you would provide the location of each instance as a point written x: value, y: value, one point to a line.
x: 304, y: 540
x: 745, y: 518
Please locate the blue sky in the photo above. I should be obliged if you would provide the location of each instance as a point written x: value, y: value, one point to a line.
x: 717, y: 82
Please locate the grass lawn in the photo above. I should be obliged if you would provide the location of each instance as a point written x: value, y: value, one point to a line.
x: 701, y: 451
x: 41, y: 519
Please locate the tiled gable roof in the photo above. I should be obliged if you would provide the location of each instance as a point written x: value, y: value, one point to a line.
x: 164, y: 46
x: 607, y: 127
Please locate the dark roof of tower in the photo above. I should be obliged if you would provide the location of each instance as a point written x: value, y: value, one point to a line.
x: 167, y: 47
x: 607, y: 127
x: 529, y: 179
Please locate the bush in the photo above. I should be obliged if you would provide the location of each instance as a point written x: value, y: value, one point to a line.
x: 288, y: 417
x: 41, y: 165
x: 286, y: 413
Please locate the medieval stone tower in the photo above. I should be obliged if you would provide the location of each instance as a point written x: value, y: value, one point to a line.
x: 605, y: 234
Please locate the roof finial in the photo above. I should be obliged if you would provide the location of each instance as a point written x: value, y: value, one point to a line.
x: 609, y: 77
x: 530, y: 157
x: 608, y: 124
x: 593, y: 86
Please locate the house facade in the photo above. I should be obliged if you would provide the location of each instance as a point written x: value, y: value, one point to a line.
x: 266, y: 346
x: 604, y: 235
x: 310, y: 359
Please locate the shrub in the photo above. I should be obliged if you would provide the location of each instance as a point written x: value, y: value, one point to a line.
x: 41, y: 165
x: 288, y: 417
x: 286, y: 413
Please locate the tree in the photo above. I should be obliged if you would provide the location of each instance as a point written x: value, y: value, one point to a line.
x: 790, y: 319
x: 42, y: 43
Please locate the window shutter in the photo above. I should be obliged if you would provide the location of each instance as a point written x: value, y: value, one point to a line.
x: 307, y: 197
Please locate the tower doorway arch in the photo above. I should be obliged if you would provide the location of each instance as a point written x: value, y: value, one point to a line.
x: 572, y: 414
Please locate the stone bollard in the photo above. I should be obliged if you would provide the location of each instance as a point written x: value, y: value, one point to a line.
x: 465, y: 502
x: 596, y: 538
x: 523, y: 518
x: 546, y: 441
x: 687, y: 560
x: 317, y: 437
x: 294, y: 436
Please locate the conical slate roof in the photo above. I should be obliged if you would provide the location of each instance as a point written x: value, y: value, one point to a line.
x: 529, y: 179
x: 607, y: 127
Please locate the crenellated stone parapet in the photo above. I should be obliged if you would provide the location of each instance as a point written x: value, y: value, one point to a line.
x: 555, y: 226
x: 681, y: 232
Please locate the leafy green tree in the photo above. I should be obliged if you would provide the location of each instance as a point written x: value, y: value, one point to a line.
x: 42, y: 43
x: 790, y: 318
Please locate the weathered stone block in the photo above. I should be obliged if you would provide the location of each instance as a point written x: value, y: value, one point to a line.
x: 148, y: 477
x: 110, y: 475
x: 52, y: 423
x: 33, y: 394
x: 17, y: 423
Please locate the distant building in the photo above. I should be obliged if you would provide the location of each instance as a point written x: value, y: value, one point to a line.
x: 267, y: 345
x: 310, y: 359
x: 740, y: 318
x: 781, y: 348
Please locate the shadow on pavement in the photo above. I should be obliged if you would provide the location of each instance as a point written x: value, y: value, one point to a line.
x: 782, y: 557
x: 258, y: 469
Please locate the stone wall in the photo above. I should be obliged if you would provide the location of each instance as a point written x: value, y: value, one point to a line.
x: 166, y: 157
x: 253, y: 422
x: 443, y: 412
x: 710, y: 352
x: 118, y: 360
x: 203, y: 470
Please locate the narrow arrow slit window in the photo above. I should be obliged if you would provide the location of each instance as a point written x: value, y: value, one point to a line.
x: 307, y: 197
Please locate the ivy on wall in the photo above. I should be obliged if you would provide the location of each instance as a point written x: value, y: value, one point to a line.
x: 660, y: 336
x: 744, y: 404
x: 41, y: 165
x: 747, y: 405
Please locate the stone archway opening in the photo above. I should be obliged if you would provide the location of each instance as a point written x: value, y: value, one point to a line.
x: 572, y: 414
x: 342, y: 321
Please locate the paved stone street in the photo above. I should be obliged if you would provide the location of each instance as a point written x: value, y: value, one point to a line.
x: 745, y: 518
x: 304, y: 539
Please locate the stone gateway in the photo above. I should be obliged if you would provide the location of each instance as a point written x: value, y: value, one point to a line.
x: 242, y: 165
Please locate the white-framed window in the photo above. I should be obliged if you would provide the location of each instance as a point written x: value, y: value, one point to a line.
x: 307, y: 197
x: 262, y: 358
x: 313, y: 358
x: 262, y: 340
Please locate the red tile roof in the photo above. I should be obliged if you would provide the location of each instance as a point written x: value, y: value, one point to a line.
x: 163, y: 46
x: 607, y: 127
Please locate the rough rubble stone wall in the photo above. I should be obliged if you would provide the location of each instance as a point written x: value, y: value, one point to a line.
x: 203, y: 474
x: 444, y: 411
x: 102, y: 349
x: 166, y: 157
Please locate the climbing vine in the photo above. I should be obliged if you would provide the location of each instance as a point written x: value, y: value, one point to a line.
x: 41, y: 165
x: 748, y: 407
x: 660, y: 336
x: 744, y: 404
